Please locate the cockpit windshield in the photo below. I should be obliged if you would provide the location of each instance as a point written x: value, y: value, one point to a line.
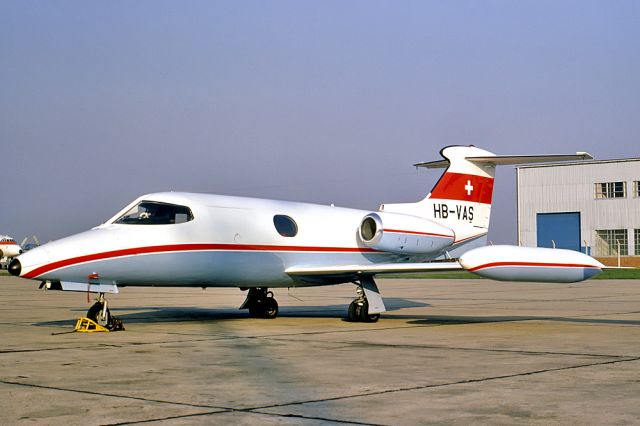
x: 155, y: 213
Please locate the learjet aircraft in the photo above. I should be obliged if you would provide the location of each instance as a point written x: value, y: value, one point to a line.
x: 201, y: 240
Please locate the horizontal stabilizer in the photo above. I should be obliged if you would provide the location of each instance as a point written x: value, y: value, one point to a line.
x: 505, y: 160
x: 373, y: 269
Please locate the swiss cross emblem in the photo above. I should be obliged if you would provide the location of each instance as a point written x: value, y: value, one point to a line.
x: 469, y: 188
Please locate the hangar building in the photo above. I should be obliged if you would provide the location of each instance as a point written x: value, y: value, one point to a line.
x: 591, y: 206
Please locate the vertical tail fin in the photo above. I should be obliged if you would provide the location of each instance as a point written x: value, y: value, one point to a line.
x: 463, y: 194
x: 461, y: 199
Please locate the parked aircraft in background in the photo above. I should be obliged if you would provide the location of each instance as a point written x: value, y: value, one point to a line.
x: 8, y: 248
x: 201, y: 240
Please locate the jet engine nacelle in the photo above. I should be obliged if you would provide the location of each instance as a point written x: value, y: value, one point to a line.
x: 537, y: 264
x: 404, y: 234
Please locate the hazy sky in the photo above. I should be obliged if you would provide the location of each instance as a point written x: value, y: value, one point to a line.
x: 325, y: 101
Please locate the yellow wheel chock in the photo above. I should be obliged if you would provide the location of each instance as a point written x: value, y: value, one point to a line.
x: 86, y: 325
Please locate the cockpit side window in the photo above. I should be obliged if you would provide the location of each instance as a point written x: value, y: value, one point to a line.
x: 155, y: 213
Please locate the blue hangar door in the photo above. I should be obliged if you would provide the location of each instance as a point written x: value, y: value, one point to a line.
x: 561, y: 228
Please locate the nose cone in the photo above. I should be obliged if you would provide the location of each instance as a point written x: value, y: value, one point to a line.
x: 15, y: 267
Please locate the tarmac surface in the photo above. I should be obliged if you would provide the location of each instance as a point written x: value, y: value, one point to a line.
x: 447, y: 352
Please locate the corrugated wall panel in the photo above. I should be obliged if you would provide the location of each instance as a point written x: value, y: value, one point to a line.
x: 552, y: 189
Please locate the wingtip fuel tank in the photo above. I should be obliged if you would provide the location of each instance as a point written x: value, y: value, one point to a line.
x: 537, y: 264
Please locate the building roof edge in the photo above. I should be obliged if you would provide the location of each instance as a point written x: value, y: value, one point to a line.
x: 578, y: 163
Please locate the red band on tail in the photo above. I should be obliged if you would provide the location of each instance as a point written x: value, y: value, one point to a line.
x: 464, y: 187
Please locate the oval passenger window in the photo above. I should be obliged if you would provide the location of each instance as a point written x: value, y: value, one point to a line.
x: 285, y: 225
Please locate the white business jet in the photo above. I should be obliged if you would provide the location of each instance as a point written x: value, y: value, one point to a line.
x: 201, y: 240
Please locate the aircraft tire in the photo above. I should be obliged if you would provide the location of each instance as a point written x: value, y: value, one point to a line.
x: 94, y: 314
x: 352, y: 314
x: 255, y: 311
x: 373, y: 318
x: 270, y: 308
x: 363, y: 313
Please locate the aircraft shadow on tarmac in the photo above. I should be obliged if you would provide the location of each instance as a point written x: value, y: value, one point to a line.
x: 151, y: 314
x: 155, y: 314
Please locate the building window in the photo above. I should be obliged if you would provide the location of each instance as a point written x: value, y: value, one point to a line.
x: 636, y: 189
x: 636, y: 238
x: 611, y: 190
x: 608, y: 241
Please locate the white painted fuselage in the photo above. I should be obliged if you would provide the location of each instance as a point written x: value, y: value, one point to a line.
x: 231, y: 241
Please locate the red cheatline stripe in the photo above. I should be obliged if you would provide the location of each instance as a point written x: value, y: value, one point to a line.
x: 8, y: 243
x: 417, y: 233
x: 187, y: 247
x: 560, y: 265
x: 464, y: 187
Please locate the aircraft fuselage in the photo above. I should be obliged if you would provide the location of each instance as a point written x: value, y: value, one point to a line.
x: 230, y: 241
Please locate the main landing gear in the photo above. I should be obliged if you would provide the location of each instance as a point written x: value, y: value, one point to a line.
x: 359, y: 309
x: 366, y: 307
x: 368, y: 304
x: 261, y: 303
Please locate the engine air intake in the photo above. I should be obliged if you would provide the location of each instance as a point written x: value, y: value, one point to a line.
x: 403, y: 234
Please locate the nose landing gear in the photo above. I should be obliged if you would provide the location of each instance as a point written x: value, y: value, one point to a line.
x: 99, y: 312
